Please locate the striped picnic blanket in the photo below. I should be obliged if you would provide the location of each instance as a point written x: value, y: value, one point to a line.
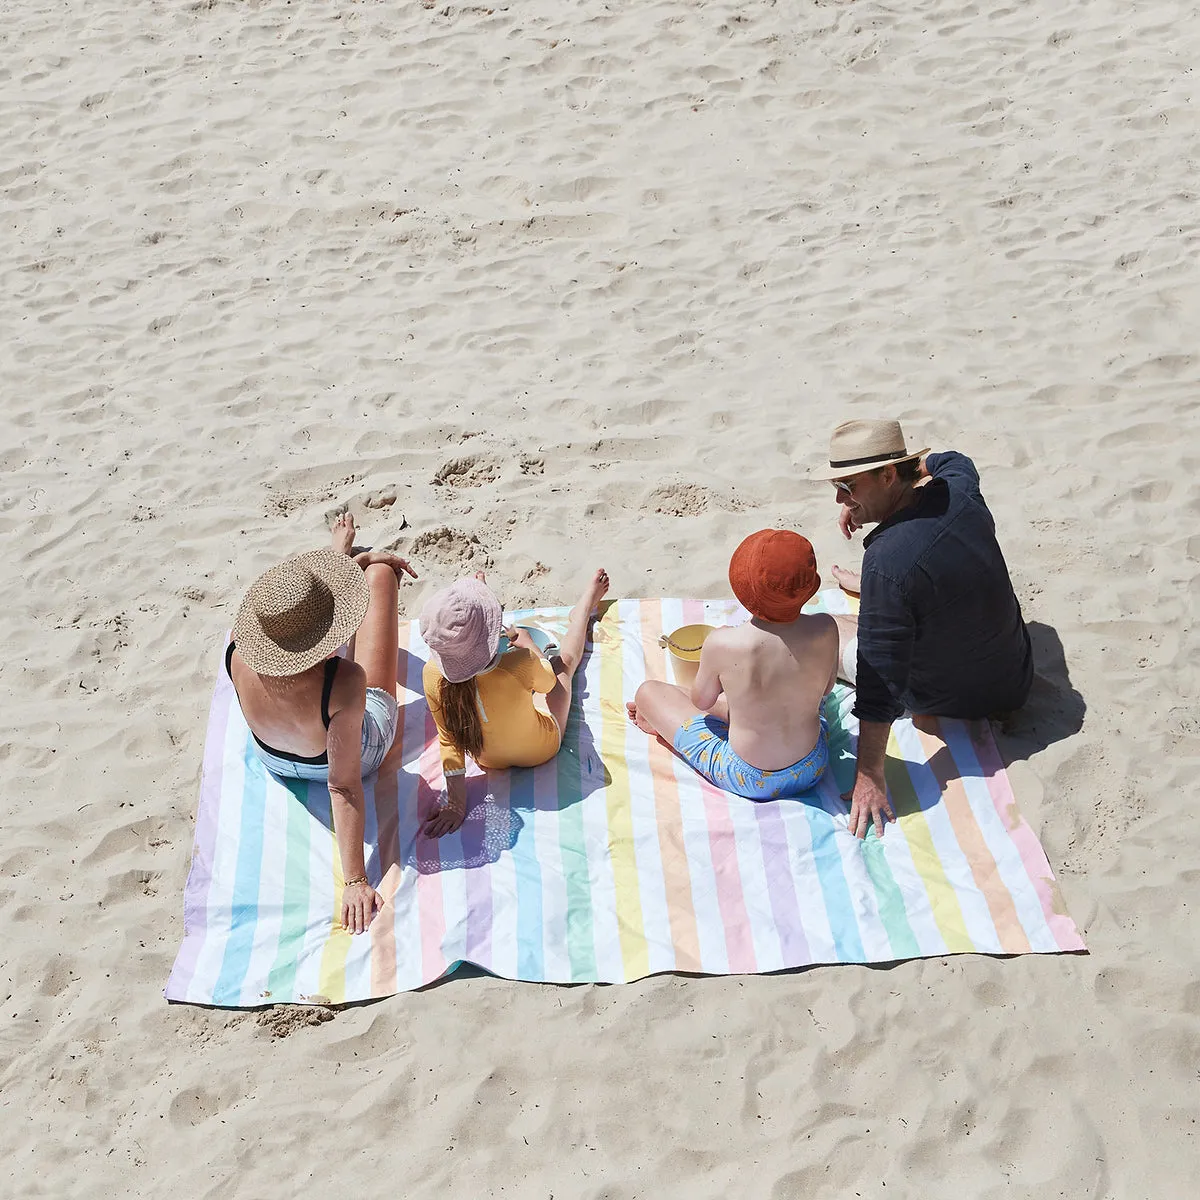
x: 611, y: 862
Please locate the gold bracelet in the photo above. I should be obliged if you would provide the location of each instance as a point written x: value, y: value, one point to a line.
x: 356, y: 879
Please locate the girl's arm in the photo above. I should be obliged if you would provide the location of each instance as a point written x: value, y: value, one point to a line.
x: 448, y: 817
x: 535, y: 672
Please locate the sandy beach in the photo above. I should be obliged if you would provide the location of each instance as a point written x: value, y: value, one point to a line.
x: 538, y: 288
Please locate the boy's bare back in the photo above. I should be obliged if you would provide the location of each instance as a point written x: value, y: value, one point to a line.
x: 774, y: 678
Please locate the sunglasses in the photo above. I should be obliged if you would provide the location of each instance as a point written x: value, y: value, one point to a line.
x: 843, y: 487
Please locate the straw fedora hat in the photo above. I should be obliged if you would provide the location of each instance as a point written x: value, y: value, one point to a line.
x: 859, y: 446
x: 300, y: 612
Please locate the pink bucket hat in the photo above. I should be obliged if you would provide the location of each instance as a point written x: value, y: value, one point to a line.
x: 461, y: 626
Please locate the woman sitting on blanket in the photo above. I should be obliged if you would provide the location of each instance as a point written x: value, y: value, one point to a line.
x: 482, y: 699
x: 314, y: 715
x: 752, y: 721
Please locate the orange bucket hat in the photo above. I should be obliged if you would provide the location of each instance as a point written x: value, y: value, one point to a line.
x: 773, y: 572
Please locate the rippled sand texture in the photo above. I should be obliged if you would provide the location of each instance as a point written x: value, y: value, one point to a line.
x: 588, y: 284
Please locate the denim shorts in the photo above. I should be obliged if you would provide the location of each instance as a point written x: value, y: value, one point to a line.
x: 378, y: 733
x: 703, y: 743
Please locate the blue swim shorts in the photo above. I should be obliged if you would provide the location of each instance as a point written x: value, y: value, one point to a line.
x: 703, y: 743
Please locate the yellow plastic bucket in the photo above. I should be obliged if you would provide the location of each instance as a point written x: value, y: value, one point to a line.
x: 683, y: 647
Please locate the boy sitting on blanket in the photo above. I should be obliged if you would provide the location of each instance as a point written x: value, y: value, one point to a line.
x: 752, y: 721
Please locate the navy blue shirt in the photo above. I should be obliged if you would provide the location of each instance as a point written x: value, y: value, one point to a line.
x: 939, y: 627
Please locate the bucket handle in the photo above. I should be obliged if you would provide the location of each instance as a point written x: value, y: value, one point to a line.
x: 667, y: 644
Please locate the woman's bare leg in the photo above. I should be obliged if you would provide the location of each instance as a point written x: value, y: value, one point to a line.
x: 377, y: 643
x: 570, y: 653
x: 375, y: 647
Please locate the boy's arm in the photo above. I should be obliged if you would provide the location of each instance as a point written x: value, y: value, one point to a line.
x: 837, y: 654
x: 707, y: 686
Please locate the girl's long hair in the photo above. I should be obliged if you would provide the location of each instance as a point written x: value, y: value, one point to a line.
x: 460, y: 715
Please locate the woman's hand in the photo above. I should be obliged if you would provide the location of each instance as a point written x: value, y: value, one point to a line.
x: 447, y: 818
x: 360, y: 903
x: 401, y: 566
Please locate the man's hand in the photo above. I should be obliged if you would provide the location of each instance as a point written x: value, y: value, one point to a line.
x: 868, y: 802
x: 847, y: 524
x: 360, y: 903
x: 447, y: 818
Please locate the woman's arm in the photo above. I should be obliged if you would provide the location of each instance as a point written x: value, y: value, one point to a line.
x: 360, y: 901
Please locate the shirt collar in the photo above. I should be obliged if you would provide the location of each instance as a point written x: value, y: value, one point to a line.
x: 905, y: 514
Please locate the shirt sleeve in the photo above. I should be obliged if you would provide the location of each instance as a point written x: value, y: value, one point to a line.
x: 950, y: 465
x: 454, y: 762
x: 533, y: 671
x: 886, y: 634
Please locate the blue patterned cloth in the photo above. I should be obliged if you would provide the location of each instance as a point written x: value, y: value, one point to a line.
x: 703, y: 743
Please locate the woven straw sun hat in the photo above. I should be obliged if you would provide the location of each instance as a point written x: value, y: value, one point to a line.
x: 300, y: 612
x: 859, y: 446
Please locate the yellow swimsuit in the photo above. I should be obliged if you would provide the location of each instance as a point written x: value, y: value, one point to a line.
x: 515, y: 733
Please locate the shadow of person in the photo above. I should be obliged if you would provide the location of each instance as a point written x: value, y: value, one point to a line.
x: 409, y: 672
x: 401, y: 803
x: 489, y: 829
x: 1054, y: 710
x: 578, y: 768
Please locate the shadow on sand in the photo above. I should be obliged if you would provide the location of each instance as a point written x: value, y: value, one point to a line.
x: 1054, y: 710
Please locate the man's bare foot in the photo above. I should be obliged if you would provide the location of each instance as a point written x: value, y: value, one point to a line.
x: 400, y: 565
x: 342, y: 533
x: 848, y: 581
x: 638, y: 720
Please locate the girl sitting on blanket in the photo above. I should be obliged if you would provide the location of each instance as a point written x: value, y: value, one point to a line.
x: 313, y: 714
x: 482, y: 699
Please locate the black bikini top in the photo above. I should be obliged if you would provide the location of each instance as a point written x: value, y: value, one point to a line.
x: 322, y: 759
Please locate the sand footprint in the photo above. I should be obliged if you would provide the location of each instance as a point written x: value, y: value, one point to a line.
x: 469, y: 471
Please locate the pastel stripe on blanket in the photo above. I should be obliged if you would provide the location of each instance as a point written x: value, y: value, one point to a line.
x: 612, y: 861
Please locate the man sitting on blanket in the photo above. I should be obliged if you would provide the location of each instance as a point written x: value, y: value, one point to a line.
x: 752, y: 721
x: 939, y: 628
